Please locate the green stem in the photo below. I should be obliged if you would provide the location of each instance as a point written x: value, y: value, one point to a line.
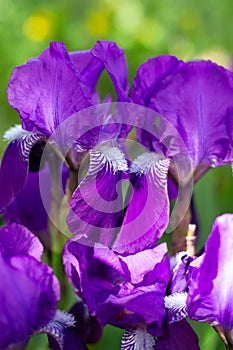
x: 219, y: 330
x: 180, y: 232
x: 73, y: 181
x: 58, y: 239
x: 72, y: 184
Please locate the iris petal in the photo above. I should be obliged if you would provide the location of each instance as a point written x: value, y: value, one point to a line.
x: 14, y: 167
x: 178, y: 336
x: 28, y: 299
x: 61, y: 332
x: 147, y: 214
x: 18, y: 240
x: 47, y: 90
x: 194, y: 98
x: 211, y: 284
x: 96, y: 205
x: 114, y: 61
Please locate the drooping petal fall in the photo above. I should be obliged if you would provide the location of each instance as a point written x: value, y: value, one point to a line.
x: 28, y: 209
x: 96, y: 205
x: 178, y: 336
x: 147, y: 214
x: 15, y: 166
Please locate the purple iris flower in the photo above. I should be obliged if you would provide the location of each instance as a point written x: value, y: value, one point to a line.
x: 128, y: 292
x: 46, y: 91
x: 191, y: 103
x: 63, y: 84
x: 29, y: 291
x: 122, y: 290
x: 210, y: 287
x: 202, y: 286
x: 97, y: 211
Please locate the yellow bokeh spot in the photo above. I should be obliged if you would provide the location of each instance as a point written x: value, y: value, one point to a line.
x: 128, y: 17
x: 150, y: 33
x: 99, y: 23
x: 37, y: 27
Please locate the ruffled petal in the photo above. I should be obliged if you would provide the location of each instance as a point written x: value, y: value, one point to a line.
x: 148, y: 266
x: 105, y: 55
x: 92, y: 278
x: 64, y: 84
x: 147, y: 214
x: 96, y: 205
x: 109, y: 285
x: 150, y: 75
x: 89, y: 69
x: 194, y: 98
x: 112, y: 57
x: 18, y: 240
x: 210, y: 297
x: 134, y: 305
x: 47, y: 90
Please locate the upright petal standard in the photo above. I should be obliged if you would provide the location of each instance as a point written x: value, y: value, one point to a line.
x: 191, y: 102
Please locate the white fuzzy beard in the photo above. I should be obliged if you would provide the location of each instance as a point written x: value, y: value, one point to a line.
x: 15, y: 133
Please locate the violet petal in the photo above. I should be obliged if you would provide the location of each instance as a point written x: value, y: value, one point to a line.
x: 211, y: 284
x: 199, y: 112
x: 18, y: 240
x: 29, y: 210
x: 47, y: 90
x: 178, y: 336
x: 148, y: 266
x: 14, y: 168
x: 147, y: 215
x: 30, y: 293
x: 96, y: 205
x: 114, y: 61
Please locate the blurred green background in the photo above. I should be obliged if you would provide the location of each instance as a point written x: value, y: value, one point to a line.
x: 189, y: 29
